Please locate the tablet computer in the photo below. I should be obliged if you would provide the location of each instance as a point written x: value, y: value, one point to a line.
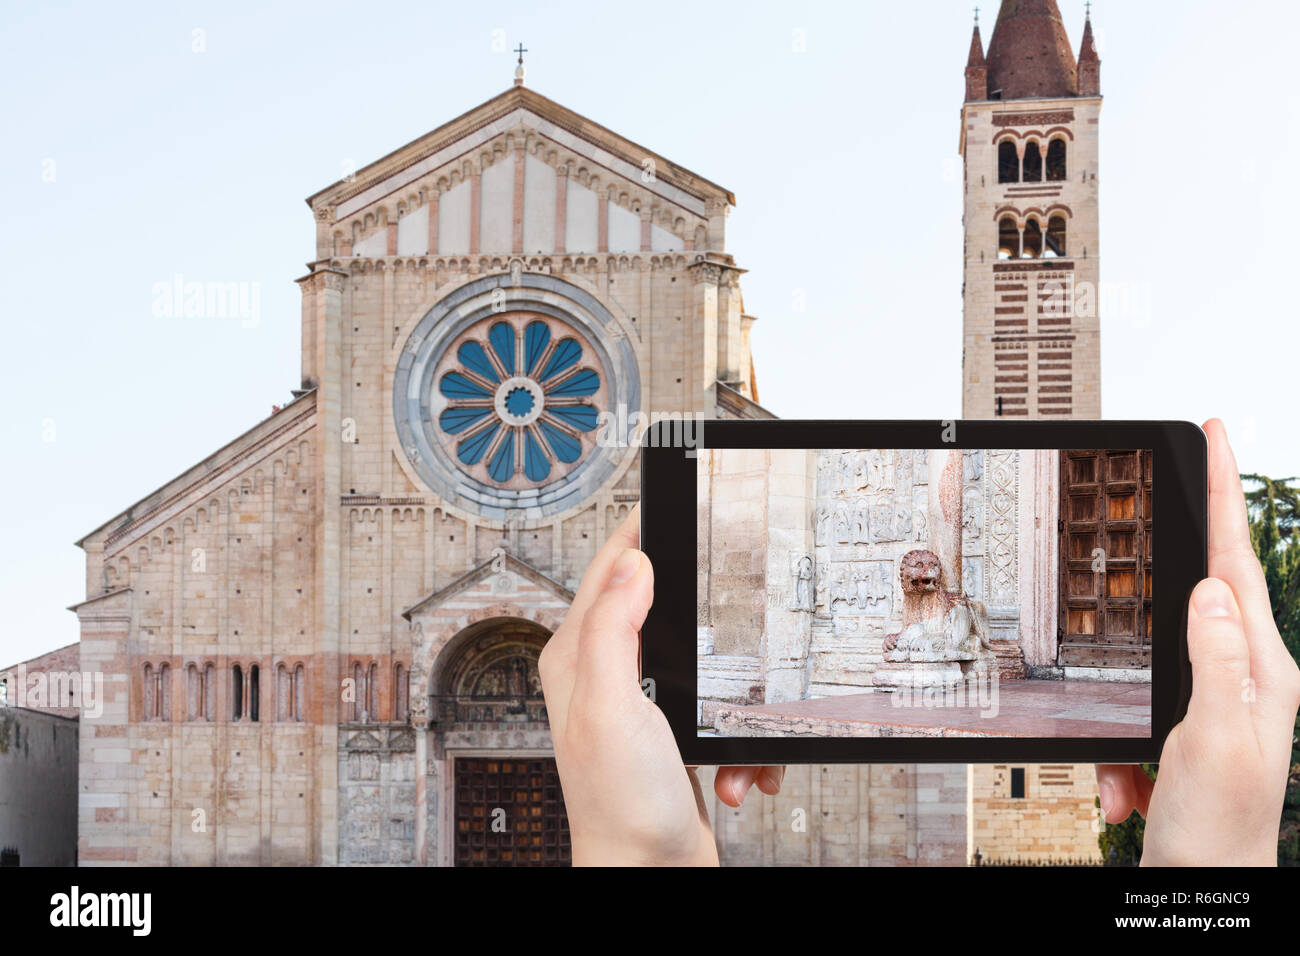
x: 929, y: 591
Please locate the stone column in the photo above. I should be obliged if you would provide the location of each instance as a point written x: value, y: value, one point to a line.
x: 390, y: 233
x: 791, y: 493
x: 326, y: 287
x: 561, y: 206
x: 421, y: 794
x: 1038, y: 581
x: 729, y: 324
x: 705, y: 276
x: 944, y: 513
x: 432, y: 246
x: 106, y: 818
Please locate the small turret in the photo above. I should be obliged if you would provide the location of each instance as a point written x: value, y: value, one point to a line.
x: 977, y: 69
x: 1089, y: 63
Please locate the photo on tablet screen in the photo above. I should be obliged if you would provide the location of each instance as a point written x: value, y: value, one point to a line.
x: 924, y: 592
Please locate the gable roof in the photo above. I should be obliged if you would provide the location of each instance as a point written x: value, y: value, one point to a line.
x: 480, y: 573
x: 399, y: 168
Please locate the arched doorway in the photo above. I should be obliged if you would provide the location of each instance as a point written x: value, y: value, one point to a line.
x: 500, y: 793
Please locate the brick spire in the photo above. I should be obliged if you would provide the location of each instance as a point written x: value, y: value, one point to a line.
x: 1089, y: 63
x: 977, y: 71
x: 1029, y: 53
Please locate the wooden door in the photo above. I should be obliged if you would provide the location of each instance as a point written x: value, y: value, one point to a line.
x: 509, y: 811
x: 1105, y: 558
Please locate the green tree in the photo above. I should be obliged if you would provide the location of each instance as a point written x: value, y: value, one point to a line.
x: 1274, y: 507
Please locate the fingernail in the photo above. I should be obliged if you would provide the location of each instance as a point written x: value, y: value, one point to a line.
x: 1213, y: 598
x: 1106, y: 793
x: 627, y: 564
x: 772, y: 777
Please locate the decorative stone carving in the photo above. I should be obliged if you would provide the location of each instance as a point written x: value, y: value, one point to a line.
x: 1003, y: 523
x: 823, y: 526
x: 872, y: 588
x: 972, y: 577
x: 971, y: 523
x: 842, y: 524
x: 801, y: 583
x: 861, y: 528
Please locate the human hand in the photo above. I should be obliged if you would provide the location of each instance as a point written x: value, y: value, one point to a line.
x: 629, y: 799
x: 1217, y: 799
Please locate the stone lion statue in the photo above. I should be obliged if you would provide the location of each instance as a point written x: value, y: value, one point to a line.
x: 938, y: 625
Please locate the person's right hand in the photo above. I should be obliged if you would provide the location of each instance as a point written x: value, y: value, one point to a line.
x: 1217, y: 800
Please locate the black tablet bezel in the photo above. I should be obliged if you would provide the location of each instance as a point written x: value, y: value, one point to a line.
x: 668, y: 537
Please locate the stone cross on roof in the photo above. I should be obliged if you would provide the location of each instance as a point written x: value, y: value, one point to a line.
x: 519, y: 68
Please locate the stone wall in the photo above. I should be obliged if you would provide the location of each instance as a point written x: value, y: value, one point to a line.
x: 1056, y: 819
x: 213, y: 572
x: 38, y: 786
x: 847, y: 815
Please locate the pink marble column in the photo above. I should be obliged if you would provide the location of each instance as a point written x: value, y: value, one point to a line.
x: 944, y: 514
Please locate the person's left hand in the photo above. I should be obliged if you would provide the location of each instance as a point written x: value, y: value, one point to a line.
x: 629, y: 799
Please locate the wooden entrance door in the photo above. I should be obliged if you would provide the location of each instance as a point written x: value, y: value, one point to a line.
x: 509, y: 811
x: 1106, y: 545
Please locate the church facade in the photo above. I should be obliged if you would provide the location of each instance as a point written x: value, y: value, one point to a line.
x: 321, y: 642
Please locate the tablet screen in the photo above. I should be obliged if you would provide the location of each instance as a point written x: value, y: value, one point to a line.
x: 912, y: 592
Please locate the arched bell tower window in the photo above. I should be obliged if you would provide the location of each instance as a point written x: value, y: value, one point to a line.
x: 1031, y: 246
x: 1033, y: 167
x: 1056, y: 169
x: 1008, y: 239
x: 1008, y: 162
x: 1055, y: 237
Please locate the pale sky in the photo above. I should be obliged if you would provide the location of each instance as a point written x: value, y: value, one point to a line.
x: 131, y: 157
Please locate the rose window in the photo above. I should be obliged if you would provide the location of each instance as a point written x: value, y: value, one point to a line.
x: 521, y: 396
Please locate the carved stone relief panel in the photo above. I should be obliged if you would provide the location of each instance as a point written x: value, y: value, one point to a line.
x: 871, y: 508
x: 1003, y: 523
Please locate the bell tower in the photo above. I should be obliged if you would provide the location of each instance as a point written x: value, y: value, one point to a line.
x: 1029, y: 142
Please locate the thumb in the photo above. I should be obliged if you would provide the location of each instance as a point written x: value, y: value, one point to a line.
x: 608, y: 642
x: 1220, y: 656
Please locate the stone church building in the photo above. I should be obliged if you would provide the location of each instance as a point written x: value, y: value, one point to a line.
x: 320, y: 643
x: 322, y: 640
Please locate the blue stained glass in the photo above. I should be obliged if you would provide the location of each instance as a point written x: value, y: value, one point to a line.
x: 473, y: 448
x: 584, y: 383
x: 582, y: 417
x: 503, y: 462
x: 454, y: 420
x: 455, y: 385
x: 519, y: 402
x: 536, y: 337
x: 473, y: 357
x: 536, y: 467
x: 502, y: 337
x: 565, y: 355
x: 566, y: 447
